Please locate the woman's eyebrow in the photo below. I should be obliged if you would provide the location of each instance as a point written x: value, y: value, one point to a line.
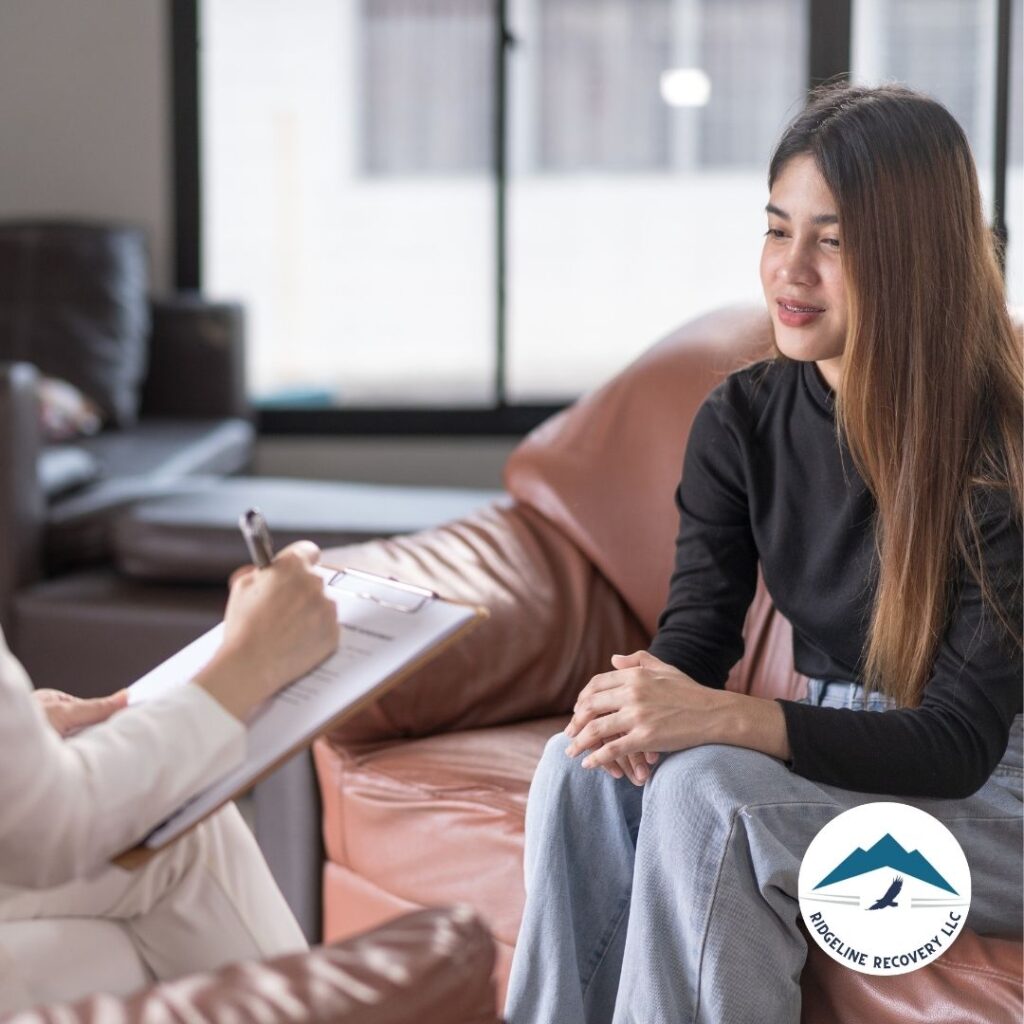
x: 821, y: 218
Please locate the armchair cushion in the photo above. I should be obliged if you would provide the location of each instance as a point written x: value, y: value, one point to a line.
x: 554, y: 622
x: 73, y: 301
x: 154, y: 458
x: 406, y: 824
x: 432, y: 967
x: 977, y: 981
x: 192, y: 535
x: 64, y: 468
x: 620, y: 449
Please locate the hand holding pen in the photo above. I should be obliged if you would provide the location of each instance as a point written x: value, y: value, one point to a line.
x: 257, y: 537
x: 278, y: 624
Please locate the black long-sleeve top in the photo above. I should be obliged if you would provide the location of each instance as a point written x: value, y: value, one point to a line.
x: 766, y: 480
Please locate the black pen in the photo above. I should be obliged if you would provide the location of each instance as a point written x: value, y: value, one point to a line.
x: 257, y: 537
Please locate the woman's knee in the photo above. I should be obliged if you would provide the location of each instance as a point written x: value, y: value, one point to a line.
x: 555, y: 768
x: 562, y: 779
x: 713, y: 776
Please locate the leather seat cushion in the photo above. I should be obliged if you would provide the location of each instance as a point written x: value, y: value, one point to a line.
x: 193, y: 536
x: 441, y: 820
x: 977, y: 981
x: 170, y: 449
x: 437, y: 820
x: 63, y: 468
x: 153, y: 459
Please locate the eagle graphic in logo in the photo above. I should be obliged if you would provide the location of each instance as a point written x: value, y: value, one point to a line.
x: 889, y: 899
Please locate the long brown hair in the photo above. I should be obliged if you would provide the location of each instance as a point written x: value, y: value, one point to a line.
x: 930, y: 400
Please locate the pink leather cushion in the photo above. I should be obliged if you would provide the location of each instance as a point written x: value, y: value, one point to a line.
x: 978, y: 981
x: 441, y: 819
x: 606, y: 469
x: 554, y: 622
x: 437, y: 820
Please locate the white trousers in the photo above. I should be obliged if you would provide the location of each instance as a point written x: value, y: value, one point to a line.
x: 207, y: 900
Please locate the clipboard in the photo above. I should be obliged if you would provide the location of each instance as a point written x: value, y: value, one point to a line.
x: 389, y: 629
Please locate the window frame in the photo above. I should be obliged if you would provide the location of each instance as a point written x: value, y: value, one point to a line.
x: 829, y: 58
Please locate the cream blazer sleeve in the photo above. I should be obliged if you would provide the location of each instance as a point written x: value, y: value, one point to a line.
x: 68, y: 805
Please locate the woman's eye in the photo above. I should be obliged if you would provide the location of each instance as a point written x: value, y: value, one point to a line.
x: 832, y: 243
x: 775, y: 233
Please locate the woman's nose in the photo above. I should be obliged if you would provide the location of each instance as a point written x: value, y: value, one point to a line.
x: 797, y: 266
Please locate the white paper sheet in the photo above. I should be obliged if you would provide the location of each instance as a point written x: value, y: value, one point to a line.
x: 377, y: 641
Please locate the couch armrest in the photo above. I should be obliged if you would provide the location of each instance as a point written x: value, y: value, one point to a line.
x: 22, y: 504
x: 430, y: 967
x: 554, y: 622
x: 196, y: 359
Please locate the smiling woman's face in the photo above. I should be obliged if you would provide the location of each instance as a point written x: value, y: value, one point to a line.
x: 802, y: 270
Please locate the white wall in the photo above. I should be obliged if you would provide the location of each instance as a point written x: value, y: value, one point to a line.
x: 84, y: 132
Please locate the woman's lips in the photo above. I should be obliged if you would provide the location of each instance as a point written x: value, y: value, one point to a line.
x: 797, y: 314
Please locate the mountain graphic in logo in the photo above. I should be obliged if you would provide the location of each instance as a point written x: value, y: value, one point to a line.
x: 886, y: 853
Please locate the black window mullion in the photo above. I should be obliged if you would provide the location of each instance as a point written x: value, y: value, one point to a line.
x: 830, y: 34
x: 184, y: 26
x: 1002, y: 128
x: 503, y: 41
x: 506, y: 421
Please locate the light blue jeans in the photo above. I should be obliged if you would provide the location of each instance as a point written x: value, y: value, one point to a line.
x: 676, y: 902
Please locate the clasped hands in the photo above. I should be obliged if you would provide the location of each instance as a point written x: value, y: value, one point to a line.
x: 628, y: 717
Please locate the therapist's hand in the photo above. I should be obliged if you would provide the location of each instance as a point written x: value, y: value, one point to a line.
x: 278, y: 625
x: 68, y: 714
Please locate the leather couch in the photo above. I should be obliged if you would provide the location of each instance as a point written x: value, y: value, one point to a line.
x: 424, y: 793
x: 431, y: 967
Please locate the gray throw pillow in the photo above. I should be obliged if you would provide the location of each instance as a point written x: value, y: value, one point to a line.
x: 74, y: 302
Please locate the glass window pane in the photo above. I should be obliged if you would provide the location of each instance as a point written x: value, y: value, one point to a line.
x: 602, y: 60
x: 347, y: 195
x: 947, y: 49
x: 636, y: 195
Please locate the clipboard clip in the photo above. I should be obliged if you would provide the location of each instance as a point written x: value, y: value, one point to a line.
x: 381, y: 590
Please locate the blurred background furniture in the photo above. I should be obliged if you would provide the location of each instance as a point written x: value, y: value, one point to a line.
x: 424, y: 793
x: 430, y: 967
x: 168, y: 379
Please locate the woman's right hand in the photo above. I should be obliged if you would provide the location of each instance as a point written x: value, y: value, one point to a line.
x: 636, y: 767
x: 278, y: 625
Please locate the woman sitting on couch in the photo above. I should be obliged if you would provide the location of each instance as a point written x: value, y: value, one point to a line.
x: 873, y: 469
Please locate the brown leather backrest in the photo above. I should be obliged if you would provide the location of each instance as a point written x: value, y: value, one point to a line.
x: 605, y: 472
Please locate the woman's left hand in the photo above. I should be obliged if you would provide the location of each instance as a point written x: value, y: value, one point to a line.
x: 68, y: 714
x: 647, y: 706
